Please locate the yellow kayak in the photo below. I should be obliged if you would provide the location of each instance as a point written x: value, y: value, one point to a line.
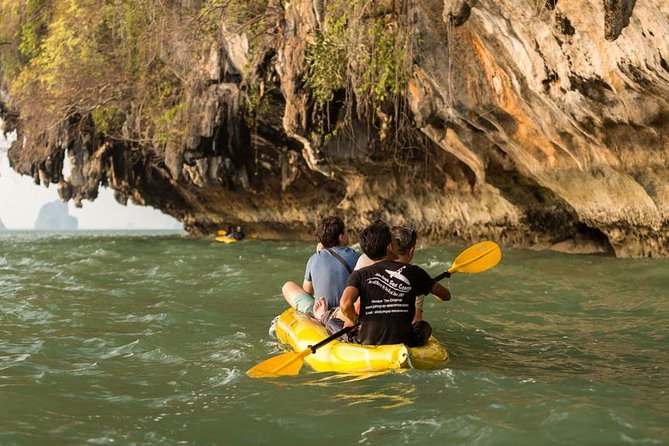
x: 299, y: 331
x: 226, y: 239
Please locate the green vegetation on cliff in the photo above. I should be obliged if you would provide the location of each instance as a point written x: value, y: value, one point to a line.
x: 89, y: 58
x: 108, y: 60
x: 362, y: 48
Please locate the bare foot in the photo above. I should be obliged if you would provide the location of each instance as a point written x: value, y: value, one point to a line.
x: 320, y: 307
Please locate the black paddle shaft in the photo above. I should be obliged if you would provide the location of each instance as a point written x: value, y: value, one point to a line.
x: 443, y: 275
x: 341, y: 332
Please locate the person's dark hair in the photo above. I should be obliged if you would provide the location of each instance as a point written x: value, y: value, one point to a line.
x: 404, y: 238
x: 375, y: 239
x: 329, y: 230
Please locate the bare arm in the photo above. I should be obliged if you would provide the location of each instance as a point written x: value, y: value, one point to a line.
x: 347, y: 305
x: 308, y: 287
x: 440, y: 291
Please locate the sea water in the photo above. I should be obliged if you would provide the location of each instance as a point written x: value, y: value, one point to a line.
x: 144, y: 338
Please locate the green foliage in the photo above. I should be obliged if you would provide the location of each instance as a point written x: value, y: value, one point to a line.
x: 362, y: 49
x: 327, y: 60
x: 384, y: 75
x: 90, y: 56
x: 131, y: 30
x: 107, y: 119
x: 33, y: 30
x: 23, y: 25
x: 28, y: 41
x: 107, y: 58
x: 63, y: 50
x: 167, y: 131
x: 164, y: 106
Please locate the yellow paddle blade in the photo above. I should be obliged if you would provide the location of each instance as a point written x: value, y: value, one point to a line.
x: 477, y: 258
x: 288, y: 363
x: 222, y: 232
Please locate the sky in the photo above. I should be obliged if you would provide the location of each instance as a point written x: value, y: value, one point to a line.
x: 21, y: 200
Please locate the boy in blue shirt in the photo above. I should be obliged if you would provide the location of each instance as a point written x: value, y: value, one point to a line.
x: 327, y: 270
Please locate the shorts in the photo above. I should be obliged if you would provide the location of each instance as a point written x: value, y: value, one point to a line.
x: 422, y: 331
x: 333, y: 321
x: 304, y: 303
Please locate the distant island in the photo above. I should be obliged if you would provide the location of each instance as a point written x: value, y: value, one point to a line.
x: 55, y: 216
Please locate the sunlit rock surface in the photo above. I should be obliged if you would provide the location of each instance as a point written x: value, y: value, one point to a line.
x: 533, y: 123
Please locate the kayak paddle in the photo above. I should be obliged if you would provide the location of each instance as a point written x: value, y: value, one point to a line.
x: 475, y: 259
x: 290, y: 363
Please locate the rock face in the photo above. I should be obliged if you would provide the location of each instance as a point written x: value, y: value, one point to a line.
x: 55, y: 217
x: 535, y: 124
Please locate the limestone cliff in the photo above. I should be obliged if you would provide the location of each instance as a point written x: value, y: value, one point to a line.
x: 540, y: 123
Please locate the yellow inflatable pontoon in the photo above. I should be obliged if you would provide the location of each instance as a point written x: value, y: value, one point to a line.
x: 299, y: 331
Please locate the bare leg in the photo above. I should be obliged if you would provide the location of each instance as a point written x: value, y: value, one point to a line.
x: 290, y: 290
x: 298, y: 298
x: 320, y: 307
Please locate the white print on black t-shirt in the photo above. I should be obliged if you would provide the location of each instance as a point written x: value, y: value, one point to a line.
x: 395, y: 290
x: 387, y: 306
x: 398, y: 275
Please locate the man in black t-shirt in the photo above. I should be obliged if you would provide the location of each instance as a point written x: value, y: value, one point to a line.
x: 387, y: 291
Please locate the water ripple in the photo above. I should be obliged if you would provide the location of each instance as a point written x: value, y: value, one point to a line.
x: 146, y: 340
x: 123, y: 350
